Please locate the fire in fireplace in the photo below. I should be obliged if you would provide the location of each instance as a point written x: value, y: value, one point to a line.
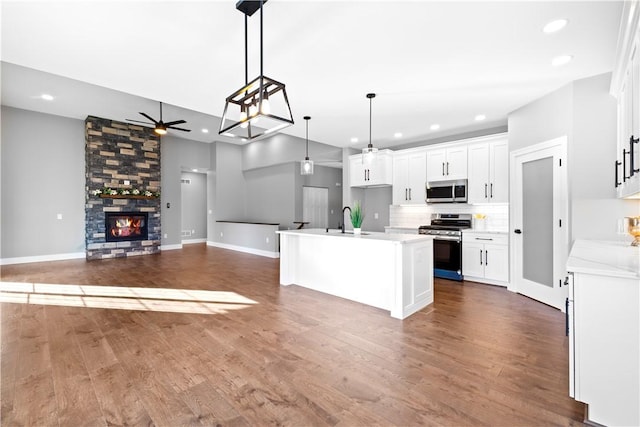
x: 125, y: 226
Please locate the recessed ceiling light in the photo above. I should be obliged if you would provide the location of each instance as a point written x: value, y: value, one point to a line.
x: 205, y: 130
x: 46, y: 97
x: 480, y: 117
x: 555, y: 26
x: 397, y: 135
x: 194, y: 170
x: 434, y: 126
x: 354, y: 139
x: 561, y: 60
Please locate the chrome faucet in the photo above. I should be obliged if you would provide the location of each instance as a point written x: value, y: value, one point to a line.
x: 344, y: 223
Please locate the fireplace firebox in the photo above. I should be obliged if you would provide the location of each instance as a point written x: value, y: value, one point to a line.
x: 125, y: 226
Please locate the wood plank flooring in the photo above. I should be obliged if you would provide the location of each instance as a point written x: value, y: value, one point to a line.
x: 480, y: 355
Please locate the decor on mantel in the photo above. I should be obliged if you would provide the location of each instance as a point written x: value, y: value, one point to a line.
x: 369, y: 152
x: 125, y: 193
x: 260, y: 107
x: 161, y: 127
x: 306, y: 166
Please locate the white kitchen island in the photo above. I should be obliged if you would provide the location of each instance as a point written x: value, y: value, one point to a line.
x: 389, y: 271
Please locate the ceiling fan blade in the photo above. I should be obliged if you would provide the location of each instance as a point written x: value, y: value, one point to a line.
x: 176, y: 122
x: 139, y: 121
x: 149, y: 117
x: 184, y: 130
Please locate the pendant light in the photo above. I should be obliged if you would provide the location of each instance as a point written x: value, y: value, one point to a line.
x: 369, y: 152
x: 306, y: 166
x: 260, y: 107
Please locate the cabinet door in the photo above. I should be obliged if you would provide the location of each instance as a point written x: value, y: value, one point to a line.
x: 417, y: 178
x: 499, y: 172
x: 472, y: 259
x: 356, y: 171
x: 400, y: 184
x: 496, y: 262
x: 436, y: 164
x: 456, y: 163
x: 478, y: 185
x: 380, y: 171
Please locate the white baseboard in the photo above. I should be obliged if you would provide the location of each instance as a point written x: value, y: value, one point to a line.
x: 42, y: 258
x: 253, y: 251
x: 170, y: 247
x: 192, y: 241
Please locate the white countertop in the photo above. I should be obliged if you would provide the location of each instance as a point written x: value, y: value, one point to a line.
x: 366, y: 235
x: 617, y: 259
x: 474, y: 231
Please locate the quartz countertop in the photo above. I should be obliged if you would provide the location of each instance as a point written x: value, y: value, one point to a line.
x: 604, y: 258
x: 366, y: 235
x: 489, y: 231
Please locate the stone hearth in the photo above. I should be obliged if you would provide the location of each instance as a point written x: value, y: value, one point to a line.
x: 120, y: 156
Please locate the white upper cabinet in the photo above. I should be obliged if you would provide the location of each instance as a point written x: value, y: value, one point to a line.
x: 447, y: 164
x: 489, y: 171
x: 377, y: 173
x: 625, y: 86
x: 409, y: 177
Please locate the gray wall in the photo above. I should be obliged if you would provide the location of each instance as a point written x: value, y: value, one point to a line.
x: 585, y: 112
x: 230, y: 185
x: 194, y: 205
x: 177, y: 154
x: 42, y: 176
x: 323, y: 176
x: 270, y: 195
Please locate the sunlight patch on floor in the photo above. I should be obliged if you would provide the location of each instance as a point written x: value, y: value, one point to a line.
x: 124, y: 298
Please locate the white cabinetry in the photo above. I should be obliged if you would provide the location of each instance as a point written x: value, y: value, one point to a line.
x: 409, y: 177
x: 489, y: 171
x: 604, y: 331
x: 377, y: 173
x: 625, y: 86
x: 447, y: 164
x: 485, y: 257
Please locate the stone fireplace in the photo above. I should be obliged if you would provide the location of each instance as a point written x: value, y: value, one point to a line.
x: 122, y: 210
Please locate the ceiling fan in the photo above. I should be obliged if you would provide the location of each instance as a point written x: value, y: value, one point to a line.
x: 161, y: 127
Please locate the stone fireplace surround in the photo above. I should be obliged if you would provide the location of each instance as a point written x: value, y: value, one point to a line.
x: 117, y: 152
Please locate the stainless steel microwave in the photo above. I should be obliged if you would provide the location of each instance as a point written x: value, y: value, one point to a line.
x: 447, y: 191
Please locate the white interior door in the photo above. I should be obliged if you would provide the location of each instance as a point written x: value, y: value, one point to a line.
x: 539, y: 212
x: 315, y: 206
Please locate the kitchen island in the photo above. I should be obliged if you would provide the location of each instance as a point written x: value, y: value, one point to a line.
x: 393, y: 272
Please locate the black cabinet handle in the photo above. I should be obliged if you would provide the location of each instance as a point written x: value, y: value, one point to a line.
x: 624, y: 165
x: 409, y: 194
x: 632, y: 166
x: 517, y: 231
x: 405, y: 194
x: 442, y: 168
x: 485, y: 190
x: 480, y: 256
x: 486, y: 258
x: 447, y: 168
x: 617, y: 165
x: 566, y: 316
x: 491, y: 192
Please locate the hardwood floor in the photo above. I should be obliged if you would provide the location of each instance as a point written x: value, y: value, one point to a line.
x: 253, y: 353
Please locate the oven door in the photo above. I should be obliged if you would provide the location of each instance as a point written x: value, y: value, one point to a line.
x: 447, y: 258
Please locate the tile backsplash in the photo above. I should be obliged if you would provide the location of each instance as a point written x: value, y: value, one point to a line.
x: 497, y: 216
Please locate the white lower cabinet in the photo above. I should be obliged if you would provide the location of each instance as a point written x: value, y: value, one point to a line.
x: 485, y: 257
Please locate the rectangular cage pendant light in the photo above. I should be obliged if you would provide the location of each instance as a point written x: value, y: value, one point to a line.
x: 260, y: 107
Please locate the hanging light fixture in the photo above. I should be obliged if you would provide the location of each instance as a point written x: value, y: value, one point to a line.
x: 369, y: 152
x: 306, y: 166
x: 260, y: 107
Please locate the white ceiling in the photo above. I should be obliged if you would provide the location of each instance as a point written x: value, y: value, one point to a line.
x: 429, y: 62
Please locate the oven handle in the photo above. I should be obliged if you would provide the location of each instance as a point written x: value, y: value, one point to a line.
x: 449, y: 238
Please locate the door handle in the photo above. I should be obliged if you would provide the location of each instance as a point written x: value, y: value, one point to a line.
x: 405, y: 194
x: 480, y: 256
x: 617, y: 165
x: 485, y: 190
x: 447, y: 168
x: 517, y: 231
x: 442, y: 168
x: 632, y: 166
x: 624, y: 165
x: 409, y: 194
x: 491, y: 192
x: 486, y: 258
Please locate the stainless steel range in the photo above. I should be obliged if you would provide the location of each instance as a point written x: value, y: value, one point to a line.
x: 447, y: 243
